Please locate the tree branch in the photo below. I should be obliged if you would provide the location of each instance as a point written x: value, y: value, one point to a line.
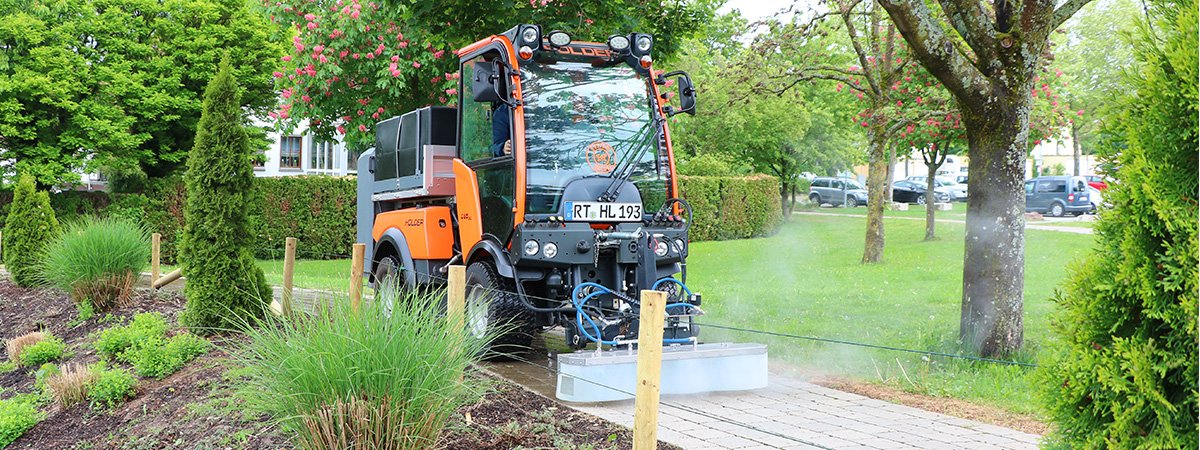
x: 930, y: 43
x: 862, y: 55
x: 1065, y: 12
x: 970, y: 20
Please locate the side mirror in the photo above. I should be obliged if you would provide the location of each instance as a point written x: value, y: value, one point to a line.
x: 687, y: 92
x: 488, y: 82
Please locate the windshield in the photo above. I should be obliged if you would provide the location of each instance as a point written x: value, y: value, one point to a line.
x: 584, y: 121
x: 852, y: 184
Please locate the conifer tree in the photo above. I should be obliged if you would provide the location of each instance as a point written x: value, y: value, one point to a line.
x: 30, y: 225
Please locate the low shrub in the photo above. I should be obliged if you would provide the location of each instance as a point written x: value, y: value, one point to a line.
x: 365, y: 380
x: 70, y: 386
x: 98, y: 260
x: 114, y: 341
x: 43, y: 373
x: 49, y: 349
x: 110, y: 387
x: 143, y: 343
x: 17, y: 415
x: 157, y: 358
x: 16, y: 345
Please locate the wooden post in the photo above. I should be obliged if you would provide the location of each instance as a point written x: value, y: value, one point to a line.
x: 167, y: 279
x: 456, y: 297
x: 289, y: 266
x: 155, y: 244
x: 356, y: 276
x: 649, y: 369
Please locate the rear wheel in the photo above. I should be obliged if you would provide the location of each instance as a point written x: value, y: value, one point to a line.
x: 389, y: 274
x: 851, y: 202
x: 494, y: 309
x: 921, y: 199
x: 1057, y: 210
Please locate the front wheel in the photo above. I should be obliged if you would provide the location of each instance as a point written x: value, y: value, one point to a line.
x: 921, y: 199
x: 815, y: 199
x: 851, y: 202
x: 494, y: 309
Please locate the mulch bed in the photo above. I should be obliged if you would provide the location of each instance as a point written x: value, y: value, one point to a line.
x: 196, y: 408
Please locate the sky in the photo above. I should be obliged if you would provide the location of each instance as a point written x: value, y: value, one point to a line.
x: 758, y: 9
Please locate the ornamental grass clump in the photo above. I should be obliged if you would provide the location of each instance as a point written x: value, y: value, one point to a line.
x: 368, y: 380
x: 98, y: 260
x: 69, y: 386
x: 16, y: 345
x: 47, y: 348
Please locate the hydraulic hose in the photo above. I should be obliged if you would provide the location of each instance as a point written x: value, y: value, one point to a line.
x: 580, y: 316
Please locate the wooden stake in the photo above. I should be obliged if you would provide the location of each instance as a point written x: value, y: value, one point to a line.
x: 167, y: 279
x: 155, y: 245
x: 289, y: 266
x: 356, y: 276
x: 456, y: 298
x: 649, y: 369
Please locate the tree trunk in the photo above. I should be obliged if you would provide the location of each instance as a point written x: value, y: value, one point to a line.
x: 876, y: 177
x: 1077, y: 147
x: 994, y: 262
x: 930, y: 199
x: 784, y: 204
x: 891, y: 171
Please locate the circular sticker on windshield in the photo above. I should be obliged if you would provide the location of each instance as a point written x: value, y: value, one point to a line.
x: 601, y: 157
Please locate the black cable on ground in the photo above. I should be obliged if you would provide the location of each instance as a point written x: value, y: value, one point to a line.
x: 876, y: 346
x: 679, y: 407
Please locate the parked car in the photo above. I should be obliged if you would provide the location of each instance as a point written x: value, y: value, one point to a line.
x: 907, y: 191
x: 1096, y: 182
x: 957, y: 191
x: 1058, y: 196
x: 837, y: 191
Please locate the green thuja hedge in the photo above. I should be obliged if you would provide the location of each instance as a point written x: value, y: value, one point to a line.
x: 1123, y: 371
x: 29, y: 226
x: 225, y: 287
x: 732, y: 207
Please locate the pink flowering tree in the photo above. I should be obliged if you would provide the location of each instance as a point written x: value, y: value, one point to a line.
x: 352, y: 63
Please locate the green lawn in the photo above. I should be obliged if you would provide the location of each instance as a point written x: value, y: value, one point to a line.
x: 333, y: 274
x: 807, y: 280
x: 958, y: 211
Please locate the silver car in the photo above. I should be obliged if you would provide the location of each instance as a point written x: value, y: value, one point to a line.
x: 955, y: 191
x: 837, y: 191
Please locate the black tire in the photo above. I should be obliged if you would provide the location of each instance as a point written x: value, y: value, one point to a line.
x: 851, y: 203
x: 389, y: 270
x: 815, y: 199
x: 921, y: 199
x: 1056, y: 210
x: 504, y: 311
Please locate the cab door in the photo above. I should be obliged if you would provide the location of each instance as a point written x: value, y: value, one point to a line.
x: 484, y: 126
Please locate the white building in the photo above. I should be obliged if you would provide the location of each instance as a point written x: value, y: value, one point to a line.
x: 300, y: 153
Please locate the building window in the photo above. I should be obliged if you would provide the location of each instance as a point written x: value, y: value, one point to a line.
x: 352, y: 160
x: 321, y: 156
x: 289, y: 152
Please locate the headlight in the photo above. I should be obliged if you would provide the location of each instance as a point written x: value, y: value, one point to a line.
x: 660, y: 248
x: 531, y: 248
x: 643, y: 44
x: 550, y: 250
x: 618, y: 43
x: 679, y: 245
x: 530, y: 35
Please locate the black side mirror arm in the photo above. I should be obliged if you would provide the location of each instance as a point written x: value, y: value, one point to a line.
x: 686, y: 89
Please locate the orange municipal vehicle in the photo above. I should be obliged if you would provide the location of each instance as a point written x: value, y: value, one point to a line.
x: 553, y: 181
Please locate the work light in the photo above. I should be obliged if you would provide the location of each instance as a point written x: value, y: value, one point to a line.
x: 530, y: 36
x: 643, y: 44
x: 660, y: 248
x: 559, y: 38
x: 531, y: 248
x: 551, y: 250
x: 618, y: 43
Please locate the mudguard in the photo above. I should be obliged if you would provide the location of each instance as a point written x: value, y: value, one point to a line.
x: 396, y: 238
x: 488, y: 246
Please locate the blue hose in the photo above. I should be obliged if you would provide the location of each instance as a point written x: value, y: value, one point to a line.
x: 580, y: 316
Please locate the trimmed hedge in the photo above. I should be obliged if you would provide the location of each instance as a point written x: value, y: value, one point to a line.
x: 320, y: 211
x: 732, y: 207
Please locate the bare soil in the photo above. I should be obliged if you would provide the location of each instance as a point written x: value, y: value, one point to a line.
x: 196, y: 408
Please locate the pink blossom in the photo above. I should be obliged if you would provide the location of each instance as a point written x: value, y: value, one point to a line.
x: 310, y: 17
x: 286, y: 58
x: 287, y: 93
x: 438, y: 54
x: 273, y: 114
x: 361, y: 112
x: 899, y: 103
x: 416, y: 65
x: 864, y: 124
x: 277, y: 74
x: 370, y: 55
x: 312, y: 25
x: 909, y: 128
x: 299, y: 48
x: 323, y: 59
x: 403, y: 44
x: 362, y: 128
x: 283, y: 115
x: 355, y: 56
x: 588, y: 21
x: 395, y: 58
x: 354, y: 15
x: 392, y: 67
x: 859, y: 94
x: 919, y: 100
x: 380, y: 109
x: 451, y: 91
x: 1058, y: 73
x: 1039, y: 141
x: 395, y: 73
x: 318, y: 49
x: 375, y: 116
x: 838, y: 88
x: 306, y: 98
x: 343, y: 54
x: 1080, y: 113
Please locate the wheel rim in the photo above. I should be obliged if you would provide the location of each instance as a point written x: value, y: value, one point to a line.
x: 477, y: 311
x: 920, y: 199
x: 387, y: 284
x: 815, y: 198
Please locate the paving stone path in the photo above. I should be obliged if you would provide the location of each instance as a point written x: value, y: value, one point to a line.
x: 802, y: 415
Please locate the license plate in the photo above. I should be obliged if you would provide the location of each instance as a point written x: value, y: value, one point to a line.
x: 603, y: 212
